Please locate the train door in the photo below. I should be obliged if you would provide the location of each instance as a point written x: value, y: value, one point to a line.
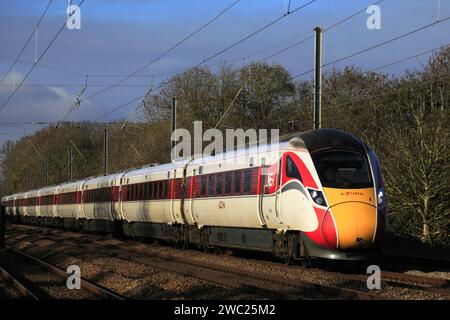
x: 192, y: 197
x: 278, y: 181
x: 56, y: 202
x: 189, y: 192
x: 53, y: 210
x: 121, y: 185
x: 115, y: 194
x: 82, y: 199
x: 263, y: 177
x: 294, y: 208
x: 268, y: 195
x: 38, y: 204
x: 182, y: 198
x: 174, y: 203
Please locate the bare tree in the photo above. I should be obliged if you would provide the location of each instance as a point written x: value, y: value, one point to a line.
x: 416, y: 166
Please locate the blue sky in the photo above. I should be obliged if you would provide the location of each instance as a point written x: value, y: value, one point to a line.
x: 119, y: 36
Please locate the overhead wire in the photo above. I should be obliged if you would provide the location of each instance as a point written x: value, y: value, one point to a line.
x: 253, y: 33
x: 165, y: 52
x: 204, y: 60
x: 351, y: 55
x: 27, y: 41
x: 75, y: 103
x: 324, y: 30
x: 37, y: 60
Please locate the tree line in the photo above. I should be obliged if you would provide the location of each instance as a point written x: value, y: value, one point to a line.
x: 404, y: 118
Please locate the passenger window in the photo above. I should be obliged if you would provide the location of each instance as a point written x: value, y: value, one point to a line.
x: 247, y: 180
x: 228, y: 182
x: 160, y: 189
x: 203, y: 186
x: 211, y: 185
x: 237, y: 182
x: 153, y: 190
x: 166, y: 188
x: 292, y: 170
x: 219, y: 184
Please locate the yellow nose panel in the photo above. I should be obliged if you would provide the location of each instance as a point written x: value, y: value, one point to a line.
x: 354, y: 212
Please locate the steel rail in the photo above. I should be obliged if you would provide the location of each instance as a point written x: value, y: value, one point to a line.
x: 91, y: 286
x: 419, y: 282
x: 17, y: 284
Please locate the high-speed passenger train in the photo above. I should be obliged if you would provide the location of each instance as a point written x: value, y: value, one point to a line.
x: 319, y: 194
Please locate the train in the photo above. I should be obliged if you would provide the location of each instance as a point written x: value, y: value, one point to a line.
x: 316, y: 195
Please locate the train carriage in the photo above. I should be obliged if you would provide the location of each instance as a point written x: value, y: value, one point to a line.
x: 317, y: 194
x: 12, y: 210
x: 32, y: 206
x: 20, y: 206
x: 8, y: 202
x: 150, y: 199
x: 47, y: 213
x: 97, y: 203
x: 219, y: 186
x: 68, y: 203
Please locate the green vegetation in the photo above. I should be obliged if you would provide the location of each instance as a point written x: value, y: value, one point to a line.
x: 405, y: 119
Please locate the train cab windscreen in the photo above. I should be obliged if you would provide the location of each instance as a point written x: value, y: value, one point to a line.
x: 343, y: 169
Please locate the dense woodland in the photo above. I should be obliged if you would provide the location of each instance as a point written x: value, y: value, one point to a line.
x: 404, y: 118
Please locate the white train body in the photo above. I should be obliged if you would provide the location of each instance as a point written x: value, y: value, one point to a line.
x: 255, y: 198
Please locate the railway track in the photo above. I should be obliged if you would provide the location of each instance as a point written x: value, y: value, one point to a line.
x: 426, y: 283
x: 22, y: 289
x: 269, y: 285
x: 405, y: 261
x: 263, y: 284
x: 254, y: 280
x: 260, y: 283
x: 36, y: 279
x: 434, y: 285
x: 430, y: 284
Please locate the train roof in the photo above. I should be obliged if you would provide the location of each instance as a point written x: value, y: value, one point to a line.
x: 20, y: 195
x: 323, y: 139
x: 240, y: 152
x: 154, y: 169
x: 70, y: 186
x: 48, y: 190
x: 104, y: 178
x: 32, y: 192
x: 312, y: 141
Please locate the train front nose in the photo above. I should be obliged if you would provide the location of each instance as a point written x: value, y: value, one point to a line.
x: 355, y: 216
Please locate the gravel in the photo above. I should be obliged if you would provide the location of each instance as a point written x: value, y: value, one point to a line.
x: 433, y: 274
x: 140, y: 281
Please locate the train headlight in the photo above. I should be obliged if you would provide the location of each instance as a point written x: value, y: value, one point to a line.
x: 380, y: 197
x: 318, y: 197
